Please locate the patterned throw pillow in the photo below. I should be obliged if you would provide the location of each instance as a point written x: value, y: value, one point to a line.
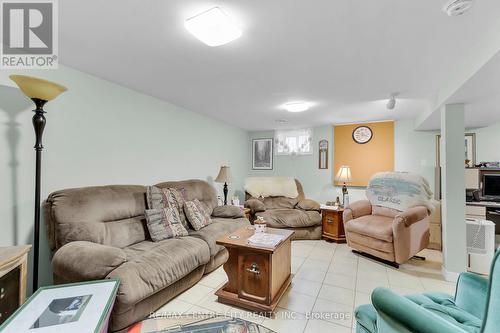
x: 164, y: 223
x: 197, y: 214
x: 165, y: 198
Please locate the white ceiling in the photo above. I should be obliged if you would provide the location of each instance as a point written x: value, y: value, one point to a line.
x: 480, y: 96
x: 345, y: 56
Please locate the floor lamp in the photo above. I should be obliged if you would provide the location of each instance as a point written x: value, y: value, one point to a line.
x: 40, y: 92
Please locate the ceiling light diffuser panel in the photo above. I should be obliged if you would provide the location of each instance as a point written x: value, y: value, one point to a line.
x: 213, y: 27
x: 296, y: 106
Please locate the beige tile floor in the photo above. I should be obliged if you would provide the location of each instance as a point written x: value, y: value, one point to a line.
x: 329, y: 282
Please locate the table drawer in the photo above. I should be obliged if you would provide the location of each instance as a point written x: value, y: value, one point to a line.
x: 254, y: 276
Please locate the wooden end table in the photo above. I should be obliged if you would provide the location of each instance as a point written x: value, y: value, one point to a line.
x: 257, y: 276
x: 13, y: 273
x: 333, y: 224
x: 246, y: 211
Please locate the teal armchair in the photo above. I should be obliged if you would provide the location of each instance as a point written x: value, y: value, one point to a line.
x: 474, y: 309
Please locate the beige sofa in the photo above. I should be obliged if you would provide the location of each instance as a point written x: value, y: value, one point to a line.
x: 386, y: 233
x: 100, y: 232
x: 298, y: 214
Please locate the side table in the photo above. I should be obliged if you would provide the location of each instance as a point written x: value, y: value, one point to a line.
x: 13, y: 272
x: 246, y: 211
x: 333, y: 224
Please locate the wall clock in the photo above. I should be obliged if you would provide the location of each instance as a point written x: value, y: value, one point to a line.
x: 362, y: 134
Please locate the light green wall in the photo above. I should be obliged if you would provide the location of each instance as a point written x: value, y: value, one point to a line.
x: 487, y: 140
x: 316, y: 182
x: 101, y: 133
x: 414, y: 151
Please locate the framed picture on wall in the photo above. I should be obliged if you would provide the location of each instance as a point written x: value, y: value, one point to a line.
x: 262, y: 154
x: 323, y: 154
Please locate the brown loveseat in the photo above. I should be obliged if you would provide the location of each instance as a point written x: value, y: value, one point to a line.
x: 298, y: 214
x: 100, y: 232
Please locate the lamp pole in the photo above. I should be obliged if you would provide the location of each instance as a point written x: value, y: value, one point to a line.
x: 38, y: 125
x: 225, y: 193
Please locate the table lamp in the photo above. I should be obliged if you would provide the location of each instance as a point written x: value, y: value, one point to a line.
x: 224, y: 176
x: 344, y: 175
x: 40, y: 92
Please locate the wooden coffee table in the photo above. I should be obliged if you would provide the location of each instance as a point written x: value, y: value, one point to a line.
x: 257, y: 276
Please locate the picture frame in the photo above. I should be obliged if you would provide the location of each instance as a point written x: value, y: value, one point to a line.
x: 323, y: 154
x: 262, y: 154
x: 75, y: 307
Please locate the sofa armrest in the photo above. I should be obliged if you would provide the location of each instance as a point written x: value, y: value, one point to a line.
x: 412, y: 215
x: 255, y: 206
x: 228, y: 212
x: 82, y: 260
x: 357, y: 209
x: 472, y: 292
x: 397, y: 313
x: 308, y: 204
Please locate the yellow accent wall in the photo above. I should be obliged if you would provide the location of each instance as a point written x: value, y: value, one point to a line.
x: 364, y: 159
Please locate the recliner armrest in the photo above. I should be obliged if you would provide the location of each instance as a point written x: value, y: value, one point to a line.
x: 472, y: 292
x: 412, y: 215
x: 82, y: 261
x: 308, y: 204
x: 357, y: 209
x: 255, y: 206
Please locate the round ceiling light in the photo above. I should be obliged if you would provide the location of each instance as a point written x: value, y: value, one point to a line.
x: 297, y: 106
x: 457, y: 7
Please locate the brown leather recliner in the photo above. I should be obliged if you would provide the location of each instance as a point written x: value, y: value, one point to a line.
x: 298, y: 214
x: 386, y: 233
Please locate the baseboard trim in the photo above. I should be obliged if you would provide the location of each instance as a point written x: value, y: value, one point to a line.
x: 449, y: 275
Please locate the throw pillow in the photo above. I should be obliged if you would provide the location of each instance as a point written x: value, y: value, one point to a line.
x: 167, y: 197
x: 164, y: 223
x: 197, y: 214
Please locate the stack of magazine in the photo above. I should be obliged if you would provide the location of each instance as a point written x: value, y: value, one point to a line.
x: 265, y: 240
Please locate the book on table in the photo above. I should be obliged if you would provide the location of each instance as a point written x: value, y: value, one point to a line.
x: 265, y: 240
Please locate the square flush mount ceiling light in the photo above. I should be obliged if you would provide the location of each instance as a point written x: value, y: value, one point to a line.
x: 213, y: 27
x: 296, y: 106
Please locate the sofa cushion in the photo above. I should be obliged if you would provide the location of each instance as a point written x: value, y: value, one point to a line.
x: 280, y: 202
x: 110, y: 215
x: 158, y: 198
x: 372, y: 242
x: 218, y: 228
x: 228, y: 211
x: 375, y: 226
x: 152, y: 266
x: 197, y: 214
x: 384, y: 211
x: 164, y: 223
x: 195, y: 189
x: 290, y: 218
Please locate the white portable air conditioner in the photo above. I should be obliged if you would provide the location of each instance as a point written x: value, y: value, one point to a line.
x: 480, y: 245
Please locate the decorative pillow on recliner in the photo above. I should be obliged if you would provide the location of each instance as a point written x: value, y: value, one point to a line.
x: 167, y: 197
x: 197, y: 214
x: 164, y: 223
